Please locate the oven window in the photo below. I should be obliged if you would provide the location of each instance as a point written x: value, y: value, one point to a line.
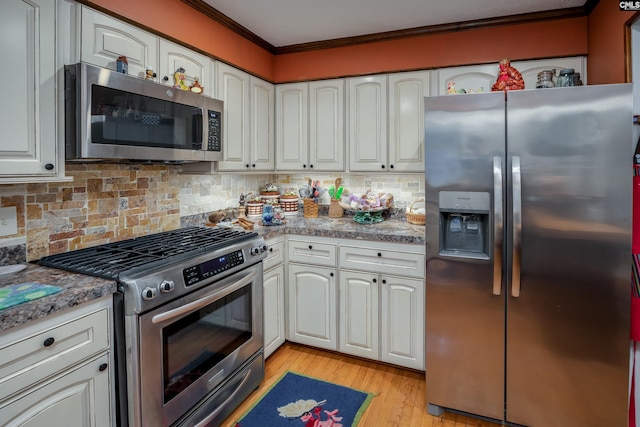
x: 125, y: 118
x: 197, y: 342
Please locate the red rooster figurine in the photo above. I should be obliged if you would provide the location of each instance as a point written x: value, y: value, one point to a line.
x: 508, y: 78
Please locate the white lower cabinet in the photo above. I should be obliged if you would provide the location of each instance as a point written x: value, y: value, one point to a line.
x: 273, y: 284
x: 382, y: 302
x: 372, y: 306
x: 58, y: 371
x: 402, y: 321
x: 311, y: 292
x: 359, y: 298
x: 78, y: 398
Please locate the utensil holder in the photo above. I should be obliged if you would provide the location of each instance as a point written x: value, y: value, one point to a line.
x: 310, y: 208
x: 335, y: 209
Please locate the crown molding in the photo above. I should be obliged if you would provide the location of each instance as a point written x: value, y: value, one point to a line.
x: 214, y: 14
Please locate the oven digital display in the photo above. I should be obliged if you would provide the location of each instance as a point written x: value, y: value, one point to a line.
x: 197, y: 273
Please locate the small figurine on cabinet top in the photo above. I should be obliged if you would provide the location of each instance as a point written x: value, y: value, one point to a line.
x: 122, y: 66
x: 196, y: 87
x: 180, y: 77
x: 149, y: 74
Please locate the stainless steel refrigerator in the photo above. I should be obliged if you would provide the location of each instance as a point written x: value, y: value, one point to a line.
x: 528, y: 222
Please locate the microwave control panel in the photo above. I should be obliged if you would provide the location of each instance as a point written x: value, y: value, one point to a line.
x: 215, y: 139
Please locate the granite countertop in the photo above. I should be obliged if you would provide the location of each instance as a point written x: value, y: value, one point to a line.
x: 80, y: 288
x: 392, y: 231
x: 76, y: 289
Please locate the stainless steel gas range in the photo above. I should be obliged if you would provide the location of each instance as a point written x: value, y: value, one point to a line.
x: 188, y: 322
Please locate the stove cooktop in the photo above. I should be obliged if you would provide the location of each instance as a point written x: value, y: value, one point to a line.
x: 110, y: 260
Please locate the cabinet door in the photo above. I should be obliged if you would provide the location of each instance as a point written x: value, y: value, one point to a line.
x: 530, y: 69
x: 326, y: 125
x: 311, y: 297
x: 470, y: 79
x: 104, y: 39
x: 359, y: 317
x: 406, y: 121
x: 233, y: 89
x: 80, y: 398
x: 368, y: 123
x: 402, y: 321
x: 262, y: 150
x: 273, y: 309
x: 292, y: 139
x: 173, y: 57
x: 28, y: 145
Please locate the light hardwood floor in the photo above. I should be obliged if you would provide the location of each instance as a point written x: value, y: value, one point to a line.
x: 400, y: 394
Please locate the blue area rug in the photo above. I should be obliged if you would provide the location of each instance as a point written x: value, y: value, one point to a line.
x: 297, y: 400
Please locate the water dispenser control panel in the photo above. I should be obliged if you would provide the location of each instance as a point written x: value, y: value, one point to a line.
x: 465, y: 224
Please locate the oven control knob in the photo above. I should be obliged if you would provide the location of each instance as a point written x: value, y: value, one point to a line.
x: 263, y: 248
x: 149, y: 293
x: 255, y: 250
x: 166, y: 286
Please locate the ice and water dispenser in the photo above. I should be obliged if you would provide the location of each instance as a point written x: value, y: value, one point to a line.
x: 464, y: 224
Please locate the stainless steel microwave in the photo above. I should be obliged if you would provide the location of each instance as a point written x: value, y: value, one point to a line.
x: 114, y: 116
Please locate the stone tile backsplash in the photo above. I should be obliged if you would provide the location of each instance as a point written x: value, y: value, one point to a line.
x: 104, y: 202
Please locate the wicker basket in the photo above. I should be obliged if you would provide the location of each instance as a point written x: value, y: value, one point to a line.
x: 310, y: 208
x: 414, y: 218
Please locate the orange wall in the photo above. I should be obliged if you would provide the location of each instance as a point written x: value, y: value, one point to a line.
x: 606, y: 62
x: 182, y: 22
x: 566, y: 37
x: 601, y: 36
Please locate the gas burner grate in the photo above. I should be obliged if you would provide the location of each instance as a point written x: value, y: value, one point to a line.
x: 109, y: 260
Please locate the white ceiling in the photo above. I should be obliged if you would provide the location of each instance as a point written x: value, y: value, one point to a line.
x: 289, y: 22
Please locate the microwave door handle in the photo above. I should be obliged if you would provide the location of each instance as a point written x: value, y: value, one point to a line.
x: 498, y: 224
x: 199, y: 132
x: 203, y: 302
x: 516, y: 250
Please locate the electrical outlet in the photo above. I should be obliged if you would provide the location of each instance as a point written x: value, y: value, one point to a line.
x: 8, y: 221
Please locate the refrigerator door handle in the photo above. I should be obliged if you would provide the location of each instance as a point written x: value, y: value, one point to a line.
x: 516, y: 177
x: 498, y: 224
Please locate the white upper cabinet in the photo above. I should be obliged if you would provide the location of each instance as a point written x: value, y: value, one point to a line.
x: 292, y: 141
x: 247, y: 129
x: 406, y: 120
x: 195, y: 65
x: 103, y: 39
x: 468, y: 79
x: 326, y: 125
x: 262, y: 100
x: 31, y: 146
x: 310, y: 126
x: 368, y: 123
x: 530, y: 69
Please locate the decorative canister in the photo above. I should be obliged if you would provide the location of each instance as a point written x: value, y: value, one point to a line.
x: 289, y: 205
x: 335, y: 209
x: 254, y: 208
x: 270, y: 198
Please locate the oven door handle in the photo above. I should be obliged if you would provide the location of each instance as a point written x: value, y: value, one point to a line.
x: 202, y: 302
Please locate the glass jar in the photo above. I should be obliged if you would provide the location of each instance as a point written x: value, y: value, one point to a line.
x: 565, y: 78
x: 545, y: 79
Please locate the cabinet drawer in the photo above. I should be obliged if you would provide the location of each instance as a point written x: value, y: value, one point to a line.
x: 312, y: 252
x: 383, y: 261
x: 275, y: 254
x: 41, y: 354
